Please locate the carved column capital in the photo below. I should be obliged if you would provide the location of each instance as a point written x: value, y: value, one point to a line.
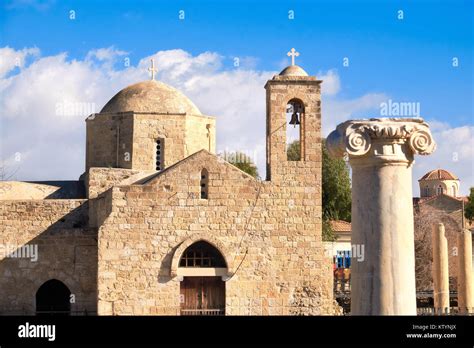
x: 381, y: 140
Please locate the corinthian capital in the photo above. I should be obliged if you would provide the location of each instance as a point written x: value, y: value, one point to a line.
x: 383, y: 139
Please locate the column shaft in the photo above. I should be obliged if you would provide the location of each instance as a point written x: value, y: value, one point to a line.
x: 381, y: 153
x: 440, y: 270
x: 465, y: 277
x: 382, y: 221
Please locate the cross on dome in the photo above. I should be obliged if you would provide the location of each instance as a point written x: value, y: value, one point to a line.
x: 293, y: 54
x: 152, y: 69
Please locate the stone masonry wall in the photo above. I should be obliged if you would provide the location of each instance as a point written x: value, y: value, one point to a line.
x: 99, y: 180
x: 147, y: 129
x: 269, y: 234
x: 67, y: 251
x: 200, y: 134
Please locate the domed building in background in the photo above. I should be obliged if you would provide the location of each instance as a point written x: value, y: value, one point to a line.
x: 439, y: 181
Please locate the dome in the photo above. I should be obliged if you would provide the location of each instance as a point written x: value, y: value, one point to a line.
x: 151, y: 96
x: 439, y: 174
x: 293, y: 70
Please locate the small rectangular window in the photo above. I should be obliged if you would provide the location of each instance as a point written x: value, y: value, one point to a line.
x: 159, y: 154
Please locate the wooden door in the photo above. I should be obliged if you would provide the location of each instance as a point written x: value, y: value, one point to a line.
x: 202, y: 296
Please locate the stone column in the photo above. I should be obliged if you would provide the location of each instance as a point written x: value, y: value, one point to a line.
x: 381, y: 152
x: 440, y: 270
x: 465, y: 282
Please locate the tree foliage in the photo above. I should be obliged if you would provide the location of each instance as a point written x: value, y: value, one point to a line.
x: 243, y: 162
x: 469, y: 207
x: 336, y: 188
x: 293, y: 151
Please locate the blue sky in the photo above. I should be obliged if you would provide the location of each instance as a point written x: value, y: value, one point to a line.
x: 410, y: 58
x: 406, y: 60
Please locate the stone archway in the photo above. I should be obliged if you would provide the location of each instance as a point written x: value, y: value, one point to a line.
x: 53, y: 298
x: 202, y: 270
x: 208, y: 239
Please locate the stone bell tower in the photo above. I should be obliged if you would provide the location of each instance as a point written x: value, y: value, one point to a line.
x: 293, y: 101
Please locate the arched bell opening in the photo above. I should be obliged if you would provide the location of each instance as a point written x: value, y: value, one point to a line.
x: 295, y: 130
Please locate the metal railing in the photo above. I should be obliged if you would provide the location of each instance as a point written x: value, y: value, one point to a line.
x: 342, y: 285
x: 443, y: 311
x: 217, y: 311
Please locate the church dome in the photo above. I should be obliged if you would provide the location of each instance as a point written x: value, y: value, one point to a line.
x: 293, y: 70
x: 151, y: 96
x: 439, y: 174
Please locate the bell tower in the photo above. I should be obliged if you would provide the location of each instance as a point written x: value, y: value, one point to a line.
x: 293, y: 101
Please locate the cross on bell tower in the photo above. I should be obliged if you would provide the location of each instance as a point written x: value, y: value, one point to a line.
x: 152, y: 69
x: 293, y: 53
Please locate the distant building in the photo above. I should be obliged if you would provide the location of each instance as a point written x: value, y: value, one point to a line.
x: 439, y: 202
x: 439, y: 181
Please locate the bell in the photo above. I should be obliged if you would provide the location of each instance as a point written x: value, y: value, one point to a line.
x: 294, y: 119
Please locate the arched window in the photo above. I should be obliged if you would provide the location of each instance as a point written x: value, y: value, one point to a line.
x: 160, y: 143
x: 204, y: 183
x: 427, y: 191
x: 202, y: 254
x: 295, y: 130
x: 53, y: 298
x: 439, y: 190
x: 202, y: 289
x: 454, y: 190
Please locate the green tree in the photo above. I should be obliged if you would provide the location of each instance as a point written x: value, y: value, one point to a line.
x: 469, y: 207
x: 293, y: 151
x: 336, y: 184
x: 243, y: 162
x: 336, y: 187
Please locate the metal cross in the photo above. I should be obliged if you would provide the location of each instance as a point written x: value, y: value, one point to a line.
x: 152, y: 69
x: 293, y: 54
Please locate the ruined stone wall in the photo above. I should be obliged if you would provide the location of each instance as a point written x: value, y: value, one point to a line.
x: 427, y: 215
x: 67, y: 251
x: 270, y: 235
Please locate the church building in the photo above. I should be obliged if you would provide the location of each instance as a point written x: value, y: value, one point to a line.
x: 158, y: 224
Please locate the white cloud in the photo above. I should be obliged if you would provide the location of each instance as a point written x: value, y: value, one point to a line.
x: 12, y: 59
x: 40, y: 5
x: 337, y: 110
x: 331, y: 84
x: 52, y: 144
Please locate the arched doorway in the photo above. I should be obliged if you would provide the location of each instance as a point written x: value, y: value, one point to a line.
x: 202, y: 290
x: 53, y: 298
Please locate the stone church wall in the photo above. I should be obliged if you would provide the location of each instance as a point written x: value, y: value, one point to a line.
x: 147, y: 129
x: 269, y: 234
x: 99, y: 180
x: 200, y: 134
x: 66, y: 251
